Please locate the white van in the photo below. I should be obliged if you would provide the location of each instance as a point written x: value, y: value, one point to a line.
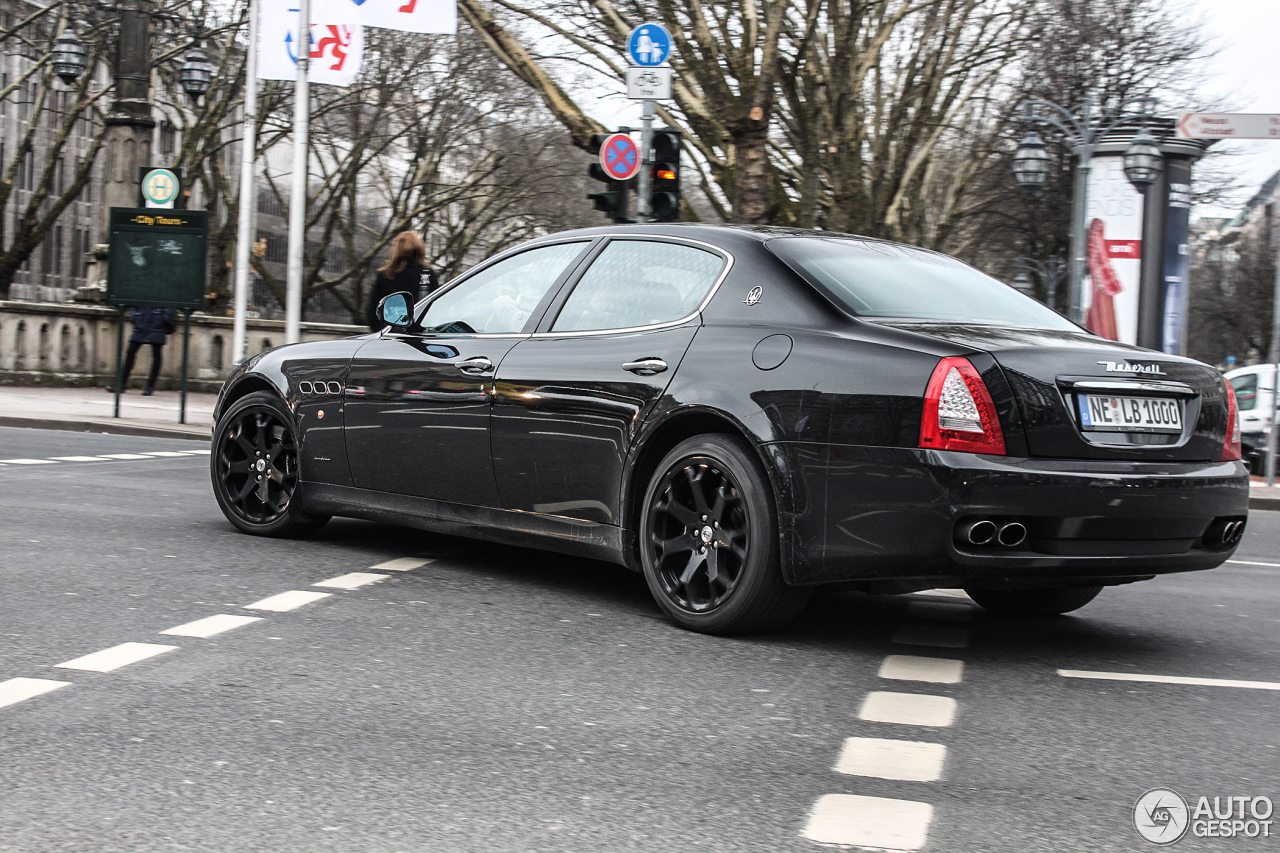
x: 1255, y: 394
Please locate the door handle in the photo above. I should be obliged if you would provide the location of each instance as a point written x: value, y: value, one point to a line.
x: 646, y: 366
x: 478, y: 364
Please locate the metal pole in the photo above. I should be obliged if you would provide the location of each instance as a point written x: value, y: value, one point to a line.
x: 186, y: 347
x: 646, y: 159
x: 244, y: 232
x: 1274, y: 358
x: 298, y: 193
x: 119, y: 359
x: 1079, y: 234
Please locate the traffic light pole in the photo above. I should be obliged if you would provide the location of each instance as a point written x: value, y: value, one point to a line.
x: 646, y: 160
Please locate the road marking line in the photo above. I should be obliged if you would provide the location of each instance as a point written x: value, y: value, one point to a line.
x: 353, y: 580
x: 1169, y: 679
x: 911, y: 668
x: 165, y: 453
x: 932, y: 635
x: 124, y: 456
x: 1252, y: 563
x: 211, y: 625
x: 17, y: 690
x: 77, y: 458
x: 404, y: 564
x: 196, y: 452
x: 945, y: 593
x: 869, y: 822
x: 286, y: 601
x: 902, y: 760
x: 115, y: 657
x: 950, y: 610
x: 28, y: 462
x: 908, y: 709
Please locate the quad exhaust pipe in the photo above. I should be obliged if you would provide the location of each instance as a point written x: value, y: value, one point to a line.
x: 984, y: 531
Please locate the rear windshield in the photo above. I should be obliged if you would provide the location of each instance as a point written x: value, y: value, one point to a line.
x: 872, y: 279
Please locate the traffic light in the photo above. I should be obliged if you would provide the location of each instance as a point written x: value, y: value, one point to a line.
x: 664, y: 200
x: 613, y: 202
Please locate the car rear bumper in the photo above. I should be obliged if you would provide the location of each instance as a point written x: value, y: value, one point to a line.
x: 866, y: 513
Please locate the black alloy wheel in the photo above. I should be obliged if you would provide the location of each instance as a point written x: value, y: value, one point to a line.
x: 255, y: 468
x: 709, y: 541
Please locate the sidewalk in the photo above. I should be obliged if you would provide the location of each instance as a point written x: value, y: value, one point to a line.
x: 90, y: 410
x: 1260, y: 497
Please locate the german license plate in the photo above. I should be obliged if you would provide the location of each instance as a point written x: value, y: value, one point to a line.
x: 1129, y: 414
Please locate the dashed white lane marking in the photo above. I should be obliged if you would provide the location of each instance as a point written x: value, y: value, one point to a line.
x: 286, y: 601
x: 932, y: 635
x: 352, y: 580
x: 901, y: 760
x: 28, y: 462
x: 17, y: 690
x: 78, y: 458
x: 124, y: 456
x: 197, y: 452
x: 403, y: 564
x: 164, y: 453
x: 869, y: 822
x: 1252, y: 563
x: 952, y: 611
x: 211, y: 625
x: 115, y: 657
x: 908, y: 709
x: 911, y: 668
x: 1169, y: 679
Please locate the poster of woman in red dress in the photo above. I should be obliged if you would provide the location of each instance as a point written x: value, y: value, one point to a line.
x: 1101, y: 317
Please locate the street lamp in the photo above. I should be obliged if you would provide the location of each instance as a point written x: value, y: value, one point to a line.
x: 70, y: 57
x: 196, y: 73
x: 1083, y: 128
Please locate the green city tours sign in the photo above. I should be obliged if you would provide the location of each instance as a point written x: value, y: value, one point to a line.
x: 159, y: 258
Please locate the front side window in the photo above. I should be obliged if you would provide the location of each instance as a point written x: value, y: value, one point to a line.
x: 1246, y: 388
x: 639, y: 283
x: 500, y: 299
x: 873, y: 279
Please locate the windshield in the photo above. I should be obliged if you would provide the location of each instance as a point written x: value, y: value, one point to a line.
x: 872, y: 279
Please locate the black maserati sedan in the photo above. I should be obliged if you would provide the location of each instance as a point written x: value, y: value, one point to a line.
x: 745, y: 414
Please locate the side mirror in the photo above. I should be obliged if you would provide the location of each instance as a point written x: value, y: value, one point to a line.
x: 396, y: 310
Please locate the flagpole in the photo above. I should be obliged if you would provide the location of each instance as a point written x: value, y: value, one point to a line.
x: 298, y: 194
x: 248, y: 150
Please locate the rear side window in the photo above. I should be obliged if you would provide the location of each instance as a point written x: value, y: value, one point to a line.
x: 872, y: 279
x: 639, y: 283
x: 1246, y: 388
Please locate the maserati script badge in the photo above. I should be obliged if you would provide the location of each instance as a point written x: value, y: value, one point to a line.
x: 1126, y: 367
x: 754, y: 296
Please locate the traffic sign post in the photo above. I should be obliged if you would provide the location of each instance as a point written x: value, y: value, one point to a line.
x: 649, y: 47
x: 619, y: 157
x: 648, y: 84
x: 1229, y: 126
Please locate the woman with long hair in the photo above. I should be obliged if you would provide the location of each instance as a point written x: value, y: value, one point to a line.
x: 405, y: 270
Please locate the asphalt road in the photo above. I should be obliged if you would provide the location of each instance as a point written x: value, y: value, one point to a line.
x: 499, y: 699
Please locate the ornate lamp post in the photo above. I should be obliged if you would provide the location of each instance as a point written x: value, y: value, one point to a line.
x: 70, y: 57
x: 196, y: 73
x: 1083, y: 129
x: 1051, y: 272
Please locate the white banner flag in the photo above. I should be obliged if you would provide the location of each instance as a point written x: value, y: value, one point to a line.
x: 336, y: 49
x: 414, y: 16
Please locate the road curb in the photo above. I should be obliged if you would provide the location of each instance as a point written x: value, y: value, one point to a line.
x: 1271, y: 502
x: 189, y: 433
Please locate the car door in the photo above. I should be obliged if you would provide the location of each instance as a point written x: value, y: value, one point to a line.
x: 568, y: 400
x: 417, y: 410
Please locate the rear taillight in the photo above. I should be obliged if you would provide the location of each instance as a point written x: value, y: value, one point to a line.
x: 1231, y: 447
x: 958, y: 411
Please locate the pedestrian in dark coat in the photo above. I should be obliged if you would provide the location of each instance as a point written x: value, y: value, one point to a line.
x: 150, y: 326
x: 405, y: 270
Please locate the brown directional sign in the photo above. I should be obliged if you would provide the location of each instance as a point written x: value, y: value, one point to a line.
x: 1229, y: 126
x: 158, y: 257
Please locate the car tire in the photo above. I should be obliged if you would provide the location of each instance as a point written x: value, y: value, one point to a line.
x: 709, y: 540
x: 1034, y: 602
x: 254, y: 466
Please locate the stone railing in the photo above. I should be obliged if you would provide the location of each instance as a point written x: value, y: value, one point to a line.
x: 66, y: 344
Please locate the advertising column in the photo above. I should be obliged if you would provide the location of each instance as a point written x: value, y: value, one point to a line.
x: 1177, y: 219
x: 1113, y: 251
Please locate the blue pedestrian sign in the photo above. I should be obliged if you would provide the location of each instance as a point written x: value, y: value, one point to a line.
x: 649, y: 45
x: 620, y: 157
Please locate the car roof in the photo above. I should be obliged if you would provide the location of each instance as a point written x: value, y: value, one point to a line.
x: 709, y: 232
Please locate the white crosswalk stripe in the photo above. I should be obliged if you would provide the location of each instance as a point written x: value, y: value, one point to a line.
x: 901, y: 760
x: 869, y: 822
